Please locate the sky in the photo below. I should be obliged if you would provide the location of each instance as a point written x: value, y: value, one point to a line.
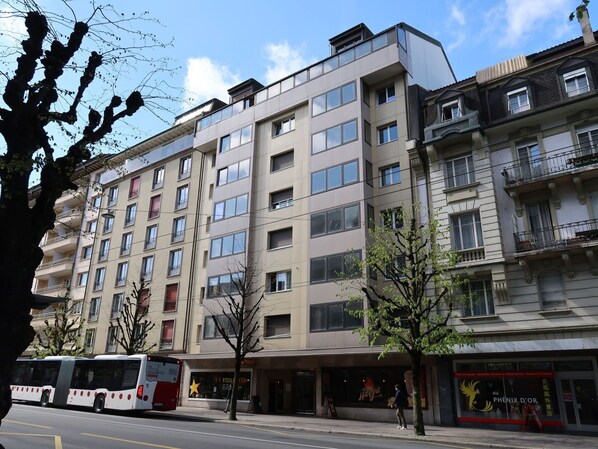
x: 220, y: 43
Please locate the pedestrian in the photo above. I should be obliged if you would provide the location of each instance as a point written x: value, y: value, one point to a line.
x: 400, y: 403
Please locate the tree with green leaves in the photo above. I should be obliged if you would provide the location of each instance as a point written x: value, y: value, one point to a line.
x: 411, y: 294
x: 60, y: 335
x: 133, y: 321
x: 236, y: 319
x: 60, y: 104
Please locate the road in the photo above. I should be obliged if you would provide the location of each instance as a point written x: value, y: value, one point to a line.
x: 34, y: 427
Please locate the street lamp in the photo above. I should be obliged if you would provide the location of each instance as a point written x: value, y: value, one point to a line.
x: 108, y: 214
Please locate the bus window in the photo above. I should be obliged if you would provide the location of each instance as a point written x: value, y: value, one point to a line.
x: 162, y: 372
x: 130, y: 374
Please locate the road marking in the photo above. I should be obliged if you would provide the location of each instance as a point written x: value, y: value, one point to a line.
x: 141, y: 443
x: 449, y: 445
x: 26, y: 424
x: 57, y: 439
x: 277, y: 432
x: 57, y: 442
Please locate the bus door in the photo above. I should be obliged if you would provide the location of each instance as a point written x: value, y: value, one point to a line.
x: 63, y: 383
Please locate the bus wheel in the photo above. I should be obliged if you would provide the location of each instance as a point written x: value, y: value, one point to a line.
x: 45, y: 400
x: 98, y: 404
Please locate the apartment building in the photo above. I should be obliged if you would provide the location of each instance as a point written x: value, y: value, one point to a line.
x: 509, y: 158
x: 302, y: 166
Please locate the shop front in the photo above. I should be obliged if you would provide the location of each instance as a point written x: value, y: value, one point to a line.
x: 549, y: 395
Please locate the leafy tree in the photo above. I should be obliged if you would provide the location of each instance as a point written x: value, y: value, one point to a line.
x: 410, y: 304
x: 237, y: 321
x: 59, y: 103
x: 60, y: 336
x: 133, y: 321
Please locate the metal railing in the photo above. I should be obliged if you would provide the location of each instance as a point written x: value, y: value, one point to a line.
x: 66, y: 260
x: 557, y: 236
x: 59, y: 238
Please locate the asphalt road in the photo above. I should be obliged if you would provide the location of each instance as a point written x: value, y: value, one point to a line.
x: 34, y: 427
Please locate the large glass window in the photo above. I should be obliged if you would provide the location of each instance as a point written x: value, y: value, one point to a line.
x: 217, y: 385
x: 233, y: 172
x: 230, y: 207
x: 388, y: 133
x: 390, y: 175
x: 334, y: 137
x: 334, y: 99
x: 335, y: 266
x: 227, y: 245
x: 235, y: 139
x: 459, y: 171
x: 335, y: 220
x: 334, y: 316
x: 334, y: 177
x: 478, y: 298
x: 466, y: 231
x: 221, y: 284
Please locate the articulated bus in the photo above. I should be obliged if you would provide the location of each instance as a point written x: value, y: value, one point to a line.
x: 111, y: 382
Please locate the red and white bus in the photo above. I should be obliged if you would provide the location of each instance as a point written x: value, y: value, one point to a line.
x: 111, y: 382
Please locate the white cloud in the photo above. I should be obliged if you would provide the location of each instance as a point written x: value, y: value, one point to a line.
x: 523, y: 18
x: 206, y: 79
x: 284, y: 61
x: 457, y: 15
x: 456, y: 28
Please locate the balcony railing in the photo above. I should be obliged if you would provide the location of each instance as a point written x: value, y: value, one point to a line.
x: 66, y: 260
x: 557, y: 236
x: 53, y: 288
x: 537, y: 168
x: 471, y: 255
x: 59, y: 238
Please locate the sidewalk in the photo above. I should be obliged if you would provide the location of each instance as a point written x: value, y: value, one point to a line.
x: 448, y: 435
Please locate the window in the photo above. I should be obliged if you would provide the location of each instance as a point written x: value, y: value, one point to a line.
x: 86, y: 252
x: 367, y: 132
x: 170, y: 297
x: 77, y: 307
x: 282, y: 161
x: 130, y: 214
x: 167, y: 335
x: 459, y: 171
x: 335, y: 220
x: 334, y: 316
x: 392, y: 218
x: 103, y: 252
x: 96, y: 201
x: 151, y: 235
x: 178, y: 230
x: 147, y: 267
x: 277, y: 326
x: 143, y: 300
x: 182, y: 196
x: 279, y: 281
x: 82, y: 279
x: 451, y: 110
x: 466, y: 231
x: 91, y: 226
x: 111, y: 339
x: 126, y: 243
x: 281, y: 238
x: 395, y: 270
x: 387, y: 133
x: 185, y: 167
x: 227, y: 245
x: 108, y: 225
x: 94, y: 309
x: 552, y: 290
x: 540, y: 223
x: 154, y: 207
x: 390, y: 175
x: 121, y: 274
x: 283, y: 126
x: 334, y: 99
x: 230, y: 207
x: 518, y: 101
x: 235, y: 139
x: 282, y: 198
x: 209, y: 328
x: 576, y: 82
x: 232, y: 173
x: 334, y: 177
x: 158, y: 180
x: 112, y: 195
x: 224, y: 284
x: 175, y: 259
x: 478, y: 299
x: 530, y: 161
x: 134, y: 186
x: 117, y: 303
x: 334, y: 137
x: 98, y: 281
x: 588, y: 140
x: 335, y: 266
x: 386, y: 95
x: 90, y: 336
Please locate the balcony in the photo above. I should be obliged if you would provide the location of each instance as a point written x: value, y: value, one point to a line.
x: 579, y: 234
x: 58, y: 268
x: 462, y: 124
x: 471, y: 255
x: 64, y: 243
x: 71, y: 217
x: 56, y: 290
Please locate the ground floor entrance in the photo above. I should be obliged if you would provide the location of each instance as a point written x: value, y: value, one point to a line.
x: 580, y: 403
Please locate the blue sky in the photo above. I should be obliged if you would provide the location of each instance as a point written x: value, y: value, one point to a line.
x: 219, y: 43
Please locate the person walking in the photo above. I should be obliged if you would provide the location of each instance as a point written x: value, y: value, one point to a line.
x: 400, y: 403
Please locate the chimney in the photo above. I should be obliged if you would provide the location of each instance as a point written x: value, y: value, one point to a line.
x: 586, y: 28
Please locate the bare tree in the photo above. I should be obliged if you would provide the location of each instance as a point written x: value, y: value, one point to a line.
x: 60, y: 336
x: 410, y: 307
x: 238, y: 321
x: 51, y: 121
x: 133, y: 321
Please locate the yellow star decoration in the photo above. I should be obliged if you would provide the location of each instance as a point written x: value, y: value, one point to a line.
x: 194, y: 387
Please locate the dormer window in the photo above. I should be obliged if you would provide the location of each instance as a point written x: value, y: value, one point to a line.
x: 451, y: 110
x: 518, y: 100
x: 576, y: 82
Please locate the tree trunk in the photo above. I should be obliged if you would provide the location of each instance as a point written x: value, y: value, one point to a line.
x: 418, y: 415
x: 232, y: 416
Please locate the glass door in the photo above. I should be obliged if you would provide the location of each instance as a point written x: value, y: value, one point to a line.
x: 305, y: 401
x: 580, y: 403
